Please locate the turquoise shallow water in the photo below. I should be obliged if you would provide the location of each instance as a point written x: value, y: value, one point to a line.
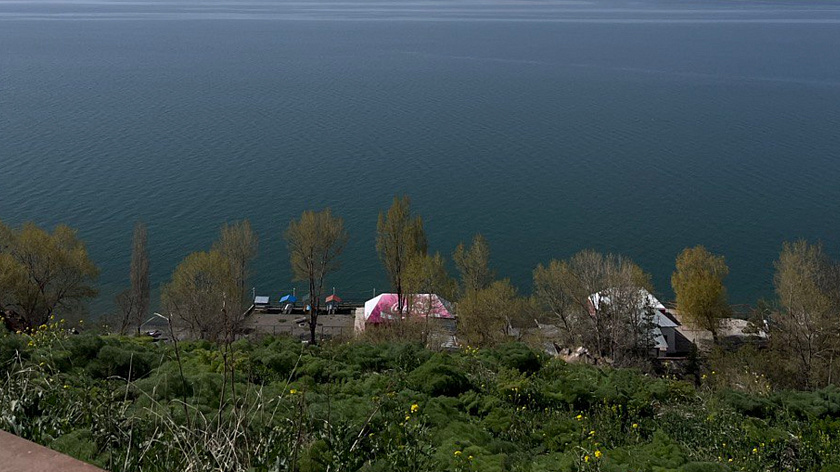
x: 638, y: 127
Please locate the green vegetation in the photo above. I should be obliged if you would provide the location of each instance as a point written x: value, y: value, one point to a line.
x: 698, y: 285
x: 399, y: 239
x: 387, y: 402
x: 207, y: 293
x: 42, y: 272
x: 805, y: 327
x: 315, y: 244
x: 276, y: 405
x: 473, y: 264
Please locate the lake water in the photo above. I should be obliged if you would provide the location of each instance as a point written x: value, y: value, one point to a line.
x: 637, y: 127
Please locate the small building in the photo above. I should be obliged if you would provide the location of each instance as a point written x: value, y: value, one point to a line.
x: 663, y: 328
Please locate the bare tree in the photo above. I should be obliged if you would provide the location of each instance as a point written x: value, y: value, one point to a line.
x: 315, y: 242
x: 399, y: 238
x: 140, y: 292
x: 600, y: 301
x: 807, y: 327
x: 125, y: 312
x: 624, y: 312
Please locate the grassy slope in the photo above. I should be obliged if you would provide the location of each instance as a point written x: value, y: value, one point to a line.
x: 116, y: 403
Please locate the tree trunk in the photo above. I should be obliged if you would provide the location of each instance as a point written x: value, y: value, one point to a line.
x: 313, y: 313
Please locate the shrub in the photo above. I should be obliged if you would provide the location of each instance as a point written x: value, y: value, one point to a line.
x: 516, y: 356
x: 438, y: 376
x: 126, y: 361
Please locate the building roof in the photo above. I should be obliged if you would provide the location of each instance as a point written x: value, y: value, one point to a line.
x: 288, y: 299
x: 385, y: 307
x: 659, y: 339
x: 646, y: 300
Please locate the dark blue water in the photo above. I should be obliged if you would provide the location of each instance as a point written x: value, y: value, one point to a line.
x: 637, y: 127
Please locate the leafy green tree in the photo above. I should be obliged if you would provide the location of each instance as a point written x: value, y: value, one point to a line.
x: 553, y: 291
x: 473, y: 264
x: 698, y: 286
x: 486, y: 317
x: 42, y: 272
x: 399, y: 238
x: 238, y: 244
x: 428, y: 274
x: 315, y: 243
x: 807, y: 326
x: 198, y: 297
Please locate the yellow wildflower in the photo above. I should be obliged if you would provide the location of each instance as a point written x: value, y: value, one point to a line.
x: 598, y: 454
x: 755, y: 450
x: 457, y: 453
x: 293, y: 391
x: 414, y: 408
x: 635, y: 425
x: 579, y: 417
x: 407, y: 417
x: 586, y: 458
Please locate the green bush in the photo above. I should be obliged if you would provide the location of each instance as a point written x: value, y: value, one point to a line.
x: 393, y: 407
x: 438, y: 376
x: 126, y: 361
x: 516, y: 356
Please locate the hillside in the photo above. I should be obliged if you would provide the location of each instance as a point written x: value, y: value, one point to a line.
x: 122, y: 404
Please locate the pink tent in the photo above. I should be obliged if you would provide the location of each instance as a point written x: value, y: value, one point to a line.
x: 384, y: 307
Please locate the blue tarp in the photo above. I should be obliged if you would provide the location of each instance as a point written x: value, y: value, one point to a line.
x: 288, y: 299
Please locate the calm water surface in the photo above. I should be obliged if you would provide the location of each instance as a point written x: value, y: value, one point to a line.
x: 638, y: 127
